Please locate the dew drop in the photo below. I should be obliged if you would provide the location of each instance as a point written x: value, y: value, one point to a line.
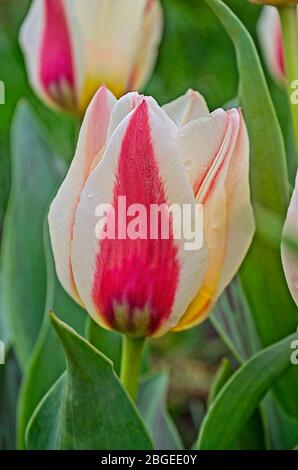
x: 189, y: 164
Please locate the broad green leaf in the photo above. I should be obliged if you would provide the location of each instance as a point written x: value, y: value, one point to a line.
x: 10, y: 376
x: 34, y: 178
x: 107, y: 342
x: 152, y: 406
x: 254, y: 434
x: 87, y: 408
x: 47, y: 361
x: 4, y: 327
x: 9, y: 386
x: 232, y: 319
x: 242, y: 394
x: 283, y: 429
x: 275, y: 313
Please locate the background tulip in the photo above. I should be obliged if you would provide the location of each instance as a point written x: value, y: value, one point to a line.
x: 290, y: 236
x: 72, y: 47
x: 270, y: 36
x: 180, y: 154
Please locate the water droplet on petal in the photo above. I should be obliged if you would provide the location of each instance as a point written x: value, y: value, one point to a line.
x: 189, y: 164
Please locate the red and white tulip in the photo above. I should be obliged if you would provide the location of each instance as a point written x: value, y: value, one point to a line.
x: 181, y: 154
x: 270, y: 37
x: 72, y: 47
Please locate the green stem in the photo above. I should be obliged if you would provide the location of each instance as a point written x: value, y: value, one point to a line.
x: 288, y: 17
x: 132, y: 351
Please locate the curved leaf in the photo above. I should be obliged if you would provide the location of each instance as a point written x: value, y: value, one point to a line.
x: 34, y: 177
x: 242, y: 394
x: 254, y: 434
x: 87, y: 408
x: 10, y: 377
x: 41, y: 373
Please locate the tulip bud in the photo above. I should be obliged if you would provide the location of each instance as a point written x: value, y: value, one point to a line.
x: 270, y: 37
x: 73, y: 47
x: 132, y: 152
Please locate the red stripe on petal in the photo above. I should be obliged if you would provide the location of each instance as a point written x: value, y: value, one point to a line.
x: 136, y: 280
x: 280, y: 51
x: 56, y: 61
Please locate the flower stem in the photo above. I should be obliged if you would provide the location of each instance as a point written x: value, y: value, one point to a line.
x: 132, y: 351
x: 288, y: 17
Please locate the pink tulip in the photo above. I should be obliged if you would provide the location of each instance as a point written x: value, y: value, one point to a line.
x: 72, y: 47
x: 179, y: 154
x: 270, y: 36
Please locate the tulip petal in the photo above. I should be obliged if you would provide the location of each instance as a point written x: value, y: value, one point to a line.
x: 241, y: 223
x: 199, y: 143
x: 30, y: 37
x: 113, y: 32
x: 228, y: 218
x: 270, y: 37
x: 47, y: 42
x: 91, y: 142
x: 150, y: 36
x: 143, y: 285
x: 289, y: 255
x: 186, y: 108
x: 122, y: 108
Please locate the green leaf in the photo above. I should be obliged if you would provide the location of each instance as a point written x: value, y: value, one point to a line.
x: 34, y: 178
x: 87, y: 408
x: 283, y: 429
x: 41, y: 373
x: 107, y: 342
x: 242, y: 394
x: 232, y: 319
x: 9, y: 386
x: 254, y: 434
x: 262, y: 274
x: 4, y: 327
x: 152, y: 406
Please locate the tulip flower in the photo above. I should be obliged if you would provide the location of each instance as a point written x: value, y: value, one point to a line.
x: 270, y: 36
x: 290, y: 254
x: 72, y: 47
x: 179, y: 154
